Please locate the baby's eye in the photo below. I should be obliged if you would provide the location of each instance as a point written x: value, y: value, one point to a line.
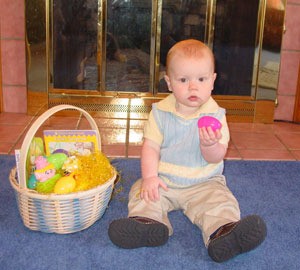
x: 201, y: 79
x: 183, y: 80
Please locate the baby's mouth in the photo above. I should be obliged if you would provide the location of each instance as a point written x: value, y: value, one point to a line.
x: 193, y: 98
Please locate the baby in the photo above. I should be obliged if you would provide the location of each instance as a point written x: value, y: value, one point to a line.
x: 182, y: 166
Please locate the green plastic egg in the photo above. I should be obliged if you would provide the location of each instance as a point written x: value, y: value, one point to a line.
x: 57, y: 160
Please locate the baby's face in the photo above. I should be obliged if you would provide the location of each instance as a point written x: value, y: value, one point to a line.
x: 191, y: 80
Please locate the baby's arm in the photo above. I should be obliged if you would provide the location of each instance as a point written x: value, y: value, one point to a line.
x: 151, y: 182
x: 212, y: 150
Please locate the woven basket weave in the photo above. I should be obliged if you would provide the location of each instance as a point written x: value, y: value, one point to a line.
x: 53, y: 213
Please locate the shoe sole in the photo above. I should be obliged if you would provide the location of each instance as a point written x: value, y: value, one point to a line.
x: 129, y: 233
x: 249, y: 233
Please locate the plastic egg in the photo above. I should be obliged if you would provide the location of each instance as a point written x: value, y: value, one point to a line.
x: 31, y: 183
x: 57, y: 160
x: 65, y: 185
x: 209, y: 121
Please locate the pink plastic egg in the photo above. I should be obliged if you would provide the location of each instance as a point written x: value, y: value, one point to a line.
x: 209, y: 121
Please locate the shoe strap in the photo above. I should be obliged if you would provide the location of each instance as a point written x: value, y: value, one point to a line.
x: 223, y: 230
x: 145, y: 220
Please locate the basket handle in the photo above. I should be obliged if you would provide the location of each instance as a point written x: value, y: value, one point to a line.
x: 34, y: 128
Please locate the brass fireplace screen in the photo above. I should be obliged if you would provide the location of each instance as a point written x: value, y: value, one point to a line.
x: 109, y: 48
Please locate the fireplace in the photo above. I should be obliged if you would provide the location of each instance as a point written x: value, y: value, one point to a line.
x: 97, y: 51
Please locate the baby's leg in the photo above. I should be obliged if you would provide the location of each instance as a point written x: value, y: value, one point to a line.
x: 144, y: 225
x: 210, y: 205
x: 155, y: 210
x: 214, y: 209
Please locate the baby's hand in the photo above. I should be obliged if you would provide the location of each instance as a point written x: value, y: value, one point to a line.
x: 208, y: 137
x: 150, y: 188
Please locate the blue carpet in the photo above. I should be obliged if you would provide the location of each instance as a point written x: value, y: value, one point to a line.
x: 270, y: 189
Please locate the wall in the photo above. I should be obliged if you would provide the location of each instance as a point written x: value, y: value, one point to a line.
x: 13, y: 57
x: 13, y: 54
x: 289, y: 63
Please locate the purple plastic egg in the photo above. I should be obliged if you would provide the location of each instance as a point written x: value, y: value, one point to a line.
x: 209, y: 121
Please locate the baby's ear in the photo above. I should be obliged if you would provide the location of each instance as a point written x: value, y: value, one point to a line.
x: 167, y: 79
x: 215, y: 76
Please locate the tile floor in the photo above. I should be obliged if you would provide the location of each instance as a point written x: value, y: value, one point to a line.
x: 121, y: 136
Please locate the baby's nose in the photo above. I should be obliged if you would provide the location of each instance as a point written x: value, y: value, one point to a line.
x: 192, y: 85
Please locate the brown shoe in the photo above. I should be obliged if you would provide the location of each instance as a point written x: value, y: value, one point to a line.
x: 135, y: 232
x: 235, y: 238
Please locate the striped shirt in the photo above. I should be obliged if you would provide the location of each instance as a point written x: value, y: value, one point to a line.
x: 181, y: 163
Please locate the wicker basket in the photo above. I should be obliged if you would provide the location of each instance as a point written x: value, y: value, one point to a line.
x: 53, y: 213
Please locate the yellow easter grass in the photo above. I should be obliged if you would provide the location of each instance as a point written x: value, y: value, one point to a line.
x: 93, y: 170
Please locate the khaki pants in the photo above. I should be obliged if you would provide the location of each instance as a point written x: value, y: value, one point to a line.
x: 208, y: 205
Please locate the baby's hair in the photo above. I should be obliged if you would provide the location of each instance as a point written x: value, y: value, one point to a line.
x: 190, y: 48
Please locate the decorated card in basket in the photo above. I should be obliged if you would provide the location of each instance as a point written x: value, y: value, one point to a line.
x: 72, y: 141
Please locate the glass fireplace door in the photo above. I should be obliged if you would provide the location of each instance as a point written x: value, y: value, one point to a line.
x: 128, y: 46
x: 121, y: 45
x: 74, y: 44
